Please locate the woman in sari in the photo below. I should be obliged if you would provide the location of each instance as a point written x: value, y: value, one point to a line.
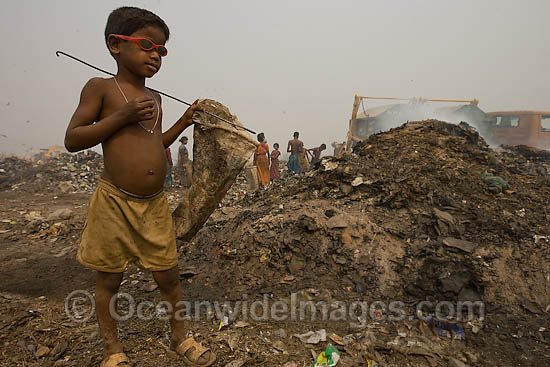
x: 261, y: 161
x: 274, y: 169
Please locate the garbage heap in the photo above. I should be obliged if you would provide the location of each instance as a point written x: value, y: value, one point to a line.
x: 64, y: 173
x: 426, y: 211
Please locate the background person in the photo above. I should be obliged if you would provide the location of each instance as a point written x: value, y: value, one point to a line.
x: 261, y: 161
x: 295, y: 148
x: 274, y: 169
x: 316, y: 154
x: 185, y: 165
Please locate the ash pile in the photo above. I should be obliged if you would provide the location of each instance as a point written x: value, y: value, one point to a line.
x: 426, y: 211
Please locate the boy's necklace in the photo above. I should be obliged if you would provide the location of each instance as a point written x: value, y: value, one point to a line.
x: 151, y: 131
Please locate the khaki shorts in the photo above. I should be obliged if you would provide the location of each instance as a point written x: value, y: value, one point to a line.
x: 122, y: 228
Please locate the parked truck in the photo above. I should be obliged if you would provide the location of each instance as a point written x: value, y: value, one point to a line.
x: 530, y: 128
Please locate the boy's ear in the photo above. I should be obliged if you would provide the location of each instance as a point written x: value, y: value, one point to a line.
x: 114, y: 44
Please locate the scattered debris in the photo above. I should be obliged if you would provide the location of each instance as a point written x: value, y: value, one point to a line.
x: 150, y: 287
x: 329, y: 357
x: 446, y: 329
x: 465, y: 246
x: 280, y: 346
x: 337, y: 339
x: 453, y: 362
x: 313, y: 337
x: 42, y: 351
x: 60, y: 214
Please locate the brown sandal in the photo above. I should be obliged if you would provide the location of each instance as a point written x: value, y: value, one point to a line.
x: 116, y: 360
x: 190, y: 352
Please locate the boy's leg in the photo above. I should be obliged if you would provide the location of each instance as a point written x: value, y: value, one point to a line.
x: 170, y: 290
x: 107, y: 286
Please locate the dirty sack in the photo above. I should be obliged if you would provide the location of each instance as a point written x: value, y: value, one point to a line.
x: 220, y: 152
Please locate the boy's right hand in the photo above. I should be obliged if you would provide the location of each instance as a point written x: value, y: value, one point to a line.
x: 139, y: 109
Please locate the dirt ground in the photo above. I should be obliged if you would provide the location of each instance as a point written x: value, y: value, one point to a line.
x: 422, y: 213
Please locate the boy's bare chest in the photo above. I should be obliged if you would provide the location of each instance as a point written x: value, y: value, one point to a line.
x: 115, y: 99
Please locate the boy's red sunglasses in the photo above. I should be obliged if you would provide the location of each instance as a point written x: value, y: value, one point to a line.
x: 145, y: 44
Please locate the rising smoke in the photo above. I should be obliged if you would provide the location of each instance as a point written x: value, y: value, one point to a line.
x: 396, y: 115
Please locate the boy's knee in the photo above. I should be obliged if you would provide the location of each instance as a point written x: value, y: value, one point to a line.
x: 109, y: 281
x: 167, y: 280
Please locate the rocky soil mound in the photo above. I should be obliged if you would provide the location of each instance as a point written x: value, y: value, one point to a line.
x: 65, y: 173
x: 424, y: 211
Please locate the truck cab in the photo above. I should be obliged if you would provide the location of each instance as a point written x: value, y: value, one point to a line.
x: 530, y: 128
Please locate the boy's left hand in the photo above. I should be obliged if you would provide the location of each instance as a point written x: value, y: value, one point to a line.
x: 188, y: 115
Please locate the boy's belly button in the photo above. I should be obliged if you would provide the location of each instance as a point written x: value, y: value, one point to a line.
x: 150, y: 172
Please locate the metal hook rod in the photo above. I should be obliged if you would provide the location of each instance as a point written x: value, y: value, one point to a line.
x: 57, y: 53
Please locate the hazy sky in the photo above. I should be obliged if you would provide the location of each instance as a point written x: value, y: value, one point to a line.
x: 280, y: 66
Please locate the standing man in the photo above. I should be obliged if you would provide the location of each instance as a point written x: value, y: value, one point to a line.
x: 295, y: 147
x: 185, y: 166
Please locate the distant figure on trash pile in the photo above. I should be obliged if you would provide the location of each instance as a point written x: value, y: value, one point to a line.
x: 274, y: 169
x: 334, y: 145
x: 338, y: 149
x: 316, y: 154
x: 185, y: 166
x: 261, y: 161
x: 128, y: 218
x: 295, y: 148
x: 169, y: 168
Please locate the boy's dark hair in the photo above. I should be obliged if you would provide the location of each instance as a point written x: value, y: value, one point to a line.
x: 128, y: 19
x: 296, y: 134
x: 323, y: 147
x: 276, y: 144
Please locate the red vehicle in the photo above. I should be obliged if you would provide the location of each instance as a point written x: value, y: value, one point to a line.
x: 530, y: 128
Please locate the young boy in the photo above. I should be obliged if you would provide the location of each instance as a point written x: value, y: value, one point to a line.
x: 128, y: 218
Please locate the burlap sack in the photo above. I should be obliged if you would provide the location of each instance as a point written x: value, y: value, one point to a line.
x: 220, y: 152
